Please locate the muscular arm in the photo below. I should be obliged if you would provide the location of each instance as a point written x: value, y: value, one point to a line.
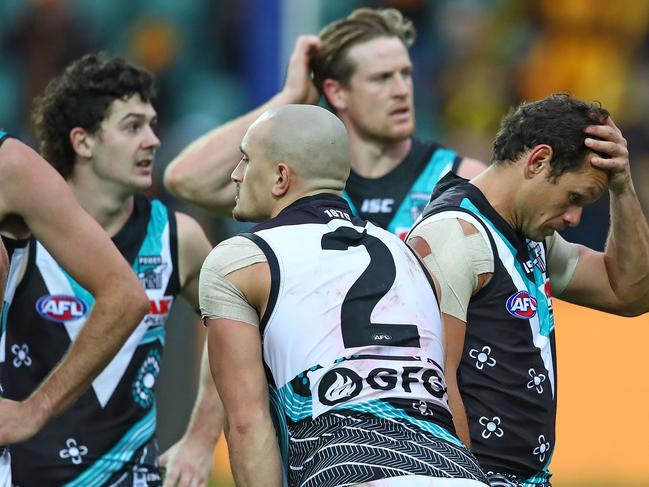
x: 254, y: 453
x: 616, y: 280
x: 235, y: 345
x: 189, y: 460
x: 33, y: 191
x: 200, y: 174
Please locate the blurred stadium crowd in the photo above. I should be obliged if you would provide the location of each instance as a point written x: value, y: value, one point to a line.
x: 215, y: 59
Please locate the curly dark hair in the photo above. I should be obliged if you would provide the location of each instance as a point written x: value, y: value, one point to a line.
x: 362, y: 25
x: 80, y: 97
x: 558, y: 121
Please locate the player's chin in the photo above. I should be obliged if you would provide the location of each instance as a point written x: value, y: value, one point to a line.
x: 541, y: 234
x: 237, y: 214
x: 241, y: 215
x: 142, y: 183
x: 402, y: 131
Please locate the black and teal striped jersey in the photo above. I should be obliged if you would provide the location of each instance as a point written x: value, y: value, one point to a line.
x: 109, y: 433
x: 394, y: 201
x: 507, y: 375
x: 16, y: 251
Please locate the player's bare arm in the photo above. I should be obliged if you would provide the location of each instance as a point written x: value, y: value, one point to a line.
x: 616, y: 280
x: 236, y: 346
x: 33, y: 192
x: 189, y: 460
x: 200, y: 174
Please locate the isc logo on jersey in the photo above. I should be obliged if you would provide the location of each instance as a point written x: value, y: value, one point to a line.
x: 521, y: 305
x: 61, y: 308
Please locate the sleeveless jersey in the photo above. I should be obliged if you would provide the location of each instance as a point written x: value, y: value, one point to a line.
x: 396, y: 200
x: 353, y: 351
x: 507, y: 376
x: 16, y: 251
x: 108, y: 435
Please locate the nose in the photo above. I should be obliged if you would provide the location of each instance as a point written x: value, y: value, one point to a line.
x: 152, y: 141
x: 572, y: 216
x: 237, y: 174
x: 401, y: 85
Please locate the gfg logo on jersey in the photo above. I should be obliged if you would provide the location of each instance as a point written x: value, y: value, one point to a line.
x: 522, y: 305
x: 342, y: 384
x: 339, y: 385
x: 61, y: 308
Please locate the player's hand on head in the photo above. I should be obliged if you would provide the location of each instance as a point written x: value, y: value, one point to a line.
x: 188, y: 464
x: 298, y: 85
x: 613, y: 145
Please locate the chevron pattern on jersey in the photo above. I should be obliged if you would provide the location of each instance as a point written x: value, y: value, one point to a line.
x: 352, y: 448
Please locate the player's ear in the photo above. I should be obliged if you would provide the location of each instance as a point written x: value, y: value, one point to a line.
x: 283, y: 175
x: 82, y: 142
x: 538, y: 160
x: 335, y: 94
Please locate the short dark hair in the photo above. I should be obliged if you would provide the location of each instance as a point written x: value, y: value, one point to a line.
x: 362, y: 25
x: 80, y: 97
x: 558, y: 121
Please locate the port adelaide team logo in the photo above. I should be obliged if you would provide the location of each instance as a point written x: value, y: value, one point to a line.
x: 61, y: 308
x: 149, y: 271
x: 522, y: 305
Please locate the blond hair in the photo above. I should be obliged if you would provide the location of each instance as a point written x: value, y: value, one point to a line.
x: 362, y: 25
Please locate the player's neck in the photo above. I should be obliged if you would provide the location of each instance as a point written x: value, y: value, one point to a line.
x: 110, y: 208
x: 491, y: 182
x: 373, y: 159
x: 291, y: 198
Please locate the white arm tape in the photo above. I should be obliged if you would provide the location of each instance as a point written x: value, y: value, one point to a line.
x: 562, y: 257
x: 218, y: 297
x: 456, y: 261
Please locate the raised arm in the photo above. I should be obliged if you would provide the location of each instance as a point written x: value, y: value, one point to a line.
x: 616, y: 280
x: 31, y: 189
x: 200, y: 174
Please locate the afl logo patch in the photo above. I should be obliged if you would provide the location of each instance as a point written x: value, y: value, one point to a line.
x: 522, y: 305
x: 61, y: 308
